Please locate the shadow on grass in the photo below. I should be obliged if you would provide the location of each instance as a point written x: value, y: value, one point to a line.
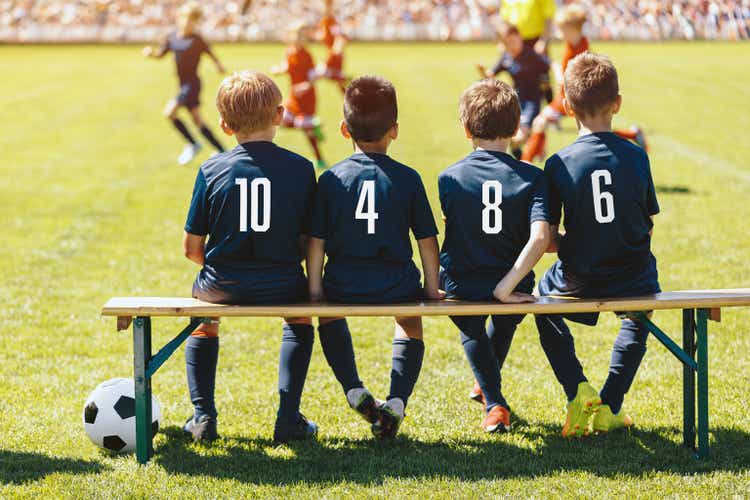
x: 662, y: 189
x: 19, y: 467
x: 636, y: 454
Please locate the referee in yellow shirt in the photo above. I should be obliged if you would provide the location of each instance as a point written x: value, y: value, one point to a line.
x: 533, y: 18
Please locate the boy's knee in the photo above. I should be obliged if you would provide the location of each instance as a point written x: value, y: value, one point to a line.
x: 207, y: 330
x: 328, y: 321
x: 538, y: 124
x: 298, y: 321
x: 409, y: 327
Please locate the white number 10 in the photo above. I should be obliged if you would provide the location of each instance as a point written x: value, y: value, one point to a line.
x: 604, y: 212
x: 255, y: 224
x: 367, y: 196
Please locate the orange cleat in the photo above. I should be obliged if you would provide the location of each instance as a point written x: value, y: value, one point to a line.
x: 497, y: 420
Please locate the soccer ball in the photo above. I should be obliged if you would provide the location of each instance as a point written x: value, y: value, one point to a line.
x: 109, y: 415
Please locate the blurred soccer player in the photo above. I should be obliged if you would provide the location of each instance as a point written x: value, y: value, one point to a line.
x: 570, y: 21
x: 329, y: 32
x: 526, y: 67
x: 188, y: 46
x: 299, y: 109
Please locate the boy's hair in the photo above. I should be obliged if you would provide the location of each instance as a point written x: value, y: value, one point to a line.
x: 507, y: 29
x: 191, y: 11
x: 370, y: 108
x: 590, y: 83
x: 489, y: 109
x: 571, y: 15
x: 247, y: 101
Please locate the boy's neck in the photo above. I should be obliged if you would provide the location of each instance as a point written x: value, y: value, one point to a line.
x: 499, y: 145
x: 380, y: 147
x: 265, y: 135
x: 594, y: 124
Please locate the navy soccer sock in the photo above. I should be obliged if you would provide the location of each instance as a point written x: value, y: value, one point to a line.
x: 481, y: 357
x: 629, y: 349
x: 210, y: 138
x: 294, y: 359
x: 201, y: 357
x: 182, y: 129
x: 406, y: 363
x: 559, y: 347
x: 336, y: 341
x: 501, y: 331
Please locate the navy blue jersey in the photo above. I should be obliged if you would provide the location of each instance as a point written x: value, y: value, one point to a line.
x: 365, y: 207
x: 187, y: 54
x: 527, y: 71
x: 489, y: 200
x: 254, y: 203
x: 604, y: 186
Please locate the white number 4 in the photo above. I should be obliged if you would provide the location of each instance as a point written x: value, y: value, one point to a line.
x: 367, y: 197
x: 255, y: 223
x: 604, y: 202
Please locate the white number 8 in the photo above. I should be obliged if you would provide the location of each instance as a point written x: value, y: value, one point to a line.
x: 604, y: 212
x: 492, y: 198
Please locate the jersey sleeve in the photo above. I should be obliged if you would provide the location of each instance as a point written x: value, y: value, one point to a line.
x: 652, y: 204
x: 538, y: 210
x: 422, y: 221
x: 554, y: 199
x: 310, y: 201
x: 197, y: 218
x: 320, y: 220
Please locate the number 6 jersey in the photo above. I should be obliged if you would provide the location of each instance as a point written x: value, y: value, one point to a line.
x: 365, y: 207
x: 489, y: 200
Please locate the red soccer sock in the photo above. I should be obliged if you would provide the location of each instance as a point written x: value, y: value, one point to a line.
x: 534, y: 146
x: 310, y: 133
x: 626, y: 134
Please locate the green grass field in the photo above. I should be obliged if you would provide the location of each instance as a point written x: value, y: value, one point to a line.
x: 93, y: 207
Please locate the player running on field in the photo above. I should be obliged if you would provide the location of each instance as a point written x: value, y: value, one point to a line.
x: 254, y: 204
x: 496, y: 229
x: 329, y: 32
x: 570, y: 21
x: 188, y: 46
x: 527, y: 68
x: 603, y: 185
x: 365, y: 208
x: 299, y: 109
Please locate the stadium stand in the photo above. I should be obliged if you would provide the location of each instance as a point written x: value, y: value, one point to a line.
x: 145, y: 20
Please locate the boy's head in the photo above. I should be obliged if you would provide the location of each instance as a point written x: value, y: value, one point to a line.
x: 511, y: 38
x: 249, y: 102
x: 328, y: 7
x: 489, y: 110
x: 370, y: 110
x: 296, y: 33
x: 189, y: 16
x: 570, y: 20
x: 591, y: 87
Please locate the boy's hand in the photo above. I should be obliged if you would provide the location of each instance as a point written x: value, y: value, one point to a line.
x: 482, y: 70
x: 317, y: 295
x: 148, y: 51
x: 434, y: 294
x: 517, y: 298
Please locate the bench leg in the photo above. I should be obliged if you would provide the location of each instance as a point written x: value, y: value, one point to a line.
x: 702, y: 341
x: 688, y: 380
x: 141, y: 358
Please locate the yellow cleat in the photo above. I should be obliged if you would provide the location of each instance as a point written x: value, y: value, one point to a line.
x: 606, y: 421
x: 586, y: 403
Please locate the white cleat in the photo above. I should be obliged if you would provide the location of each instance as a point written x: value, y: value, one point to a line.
x: 361, y: 401
x: 189, y: 152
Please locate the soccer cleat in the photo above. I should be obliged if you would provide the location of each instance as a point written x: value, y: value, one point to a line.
x: 390, y: 416
x: 303, y: 429
x: 321, y: 164
x: 318, y: 131
x: 201, y: 429
x: 497, y: 419
x: 189, y: 152
x: 640, y: 137
x: 361, y: 401
x: 586, y: 403
x: 476, y: 394
x: 606, y: 421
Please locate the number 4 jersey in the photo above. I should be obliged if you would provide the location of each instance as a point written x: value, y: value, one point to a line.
x: 489, y: 200
x: 254, y: 202
x: 365, y: 207
x: 603, y: 185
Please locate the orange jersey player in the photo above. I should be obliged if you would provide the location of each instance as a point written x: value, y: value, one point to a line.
x: 570, y: 21
x: 299, y: 108
x: 329, y: 32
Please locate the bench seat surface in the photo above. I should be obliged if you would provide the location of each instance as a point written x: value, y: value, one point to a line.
x: 187, y: 307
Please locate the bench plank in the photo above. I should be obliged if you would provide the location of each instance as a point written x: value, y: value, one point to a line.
x: 186, y: 307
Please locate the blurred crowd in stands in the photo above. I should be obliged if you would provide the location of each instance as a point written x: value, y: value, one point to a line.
x: 142, y: 20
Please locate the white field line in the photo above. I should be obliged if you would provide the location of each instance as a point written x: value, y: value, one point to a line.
x: 704, y: 160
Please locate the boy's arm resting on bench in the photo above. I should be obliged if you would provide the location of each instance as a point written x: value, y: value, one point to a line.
x: 314, y: 264
x: 539, y: 242
x: 194, y: 247
x: 429, y: 253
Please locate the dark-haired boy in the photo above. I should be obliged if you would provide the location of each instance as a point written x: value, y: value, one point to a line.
x: 496, y: 229
x: 603, y: 184
x: 253, y: 203
x: 365, y: 207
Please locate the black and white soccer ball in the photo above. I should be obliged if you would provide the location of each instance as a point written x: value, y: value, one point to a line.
x: 109, y: 415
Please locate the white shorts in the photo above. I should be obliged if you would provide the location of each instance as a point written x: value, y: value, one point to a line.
x: 299, y: 121
x: 324, y: 71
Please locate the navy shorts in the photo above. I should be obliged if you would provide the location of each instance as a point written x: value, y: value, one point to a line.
x: 372, y: 283
x: 189, y: 95
x: 529, y: 111
x: 556, y: 281
x: 274, y: 287
x: 478, y: 287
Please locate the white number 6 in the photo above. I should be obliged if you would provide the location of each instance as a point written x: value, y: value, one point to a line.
x: 604, y: 212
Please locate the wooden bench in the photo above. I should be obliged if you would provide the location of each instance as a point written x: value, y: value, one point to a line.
x: 697, y: 308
